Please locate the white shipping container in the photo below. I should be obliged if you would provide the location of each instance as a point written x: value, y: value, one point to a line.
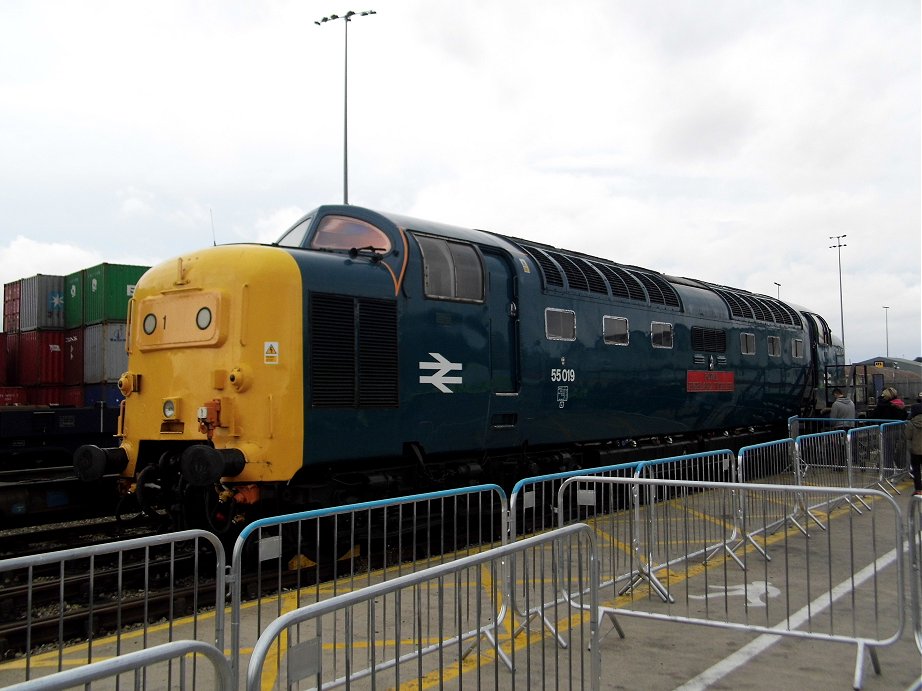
x: 104, y: 355
x: 42, y: 303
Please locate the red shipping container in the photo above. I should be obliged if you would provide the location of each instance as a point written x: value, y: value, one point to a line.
x: 12, y: 294
x: 3, y: 360
x: 12, y: 395
x: 73, y: 356
x: 41, y: 358
x: 73, y: 396
x: 12, y: 359
x: 55, y: 395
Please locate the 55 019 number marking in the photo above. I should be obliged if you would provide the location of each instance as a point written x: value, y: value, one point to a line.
x: 558, y: 374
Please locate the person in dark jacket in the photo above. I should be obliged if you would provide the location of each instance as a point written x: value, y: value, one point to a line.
x: 913, y: 435
x: 885, y: 409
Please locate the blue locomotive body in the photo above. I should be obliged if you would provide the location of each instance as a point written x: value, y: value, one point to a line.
x: 366, y: 353
x: 499, y: 344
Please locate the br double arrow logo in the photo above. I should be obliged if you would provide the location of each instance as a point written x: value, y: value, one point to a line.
x: 442, y: 367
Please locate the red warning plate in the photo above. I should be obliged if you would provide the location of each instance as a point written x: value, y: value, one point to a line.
x: 699, y: 381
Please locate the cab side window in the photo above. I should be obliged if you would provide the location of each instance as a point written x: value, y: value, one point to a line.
x: 451, y: 270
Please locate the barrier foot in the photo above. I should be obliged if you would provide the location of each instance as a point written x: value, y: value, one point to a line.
x: 547, y: 624
x: 761, y: 550
x: 500, y: 653
x: 645, y: 574
x: 890, y: 484
x: 859, y: 663
x: 729, y: 550
x: 615, y: 625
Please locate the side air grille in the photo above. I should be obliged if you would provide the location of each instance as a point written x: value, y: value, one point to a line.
x: 599, y: 277
x: 751, y: 306
x: 377, y: 353
x: 659, y: 290
x: 552, y: 275
x: 708, y: 340
x: 596, y: 282
x: 622, y: 283
x: 575, y: 277
x: 353, y: 358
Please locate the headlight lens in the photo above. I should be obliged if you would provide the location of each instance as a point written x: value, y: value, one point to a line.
x: 150, y: 323
x: 169, y: 409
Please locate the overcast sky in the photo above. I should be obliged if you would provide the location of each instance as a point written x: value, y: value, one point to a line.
x: 725, y: 141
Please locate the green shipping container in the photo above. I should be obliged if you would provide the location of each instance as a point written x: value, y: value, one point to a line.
x: 107, y: 290
x: 73, y: 300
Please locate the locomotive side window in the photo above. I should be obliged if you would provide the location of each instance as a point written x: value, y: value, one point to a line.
x: 560, y: 325
x: 341, y: 233
x: 451, y: 270
x: 748, y: 344
x: 615, y: 331
x: 295, y: 236
x: 774, y: 346
x: 797, y: 348
x: 661, y: 334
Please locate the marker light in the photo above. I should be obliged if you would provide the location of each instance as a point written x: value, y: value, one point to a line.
x: 150, y: 323
x: 203, y: 318
x: 169, y: 409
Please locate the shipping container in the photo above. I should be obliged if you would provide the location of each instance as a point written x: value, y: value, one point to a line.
x: 107, y: 288
x: 73, y: 356
x: 12, y: 359
x: 41, y: 357
x: 41, y: 303
x: 12, y: 293
x: 12, y: 395
x: 73, y: 300
x: 104, y: 355
x: 70, y: 396
x: 106, y: 395
x: 4, y: 377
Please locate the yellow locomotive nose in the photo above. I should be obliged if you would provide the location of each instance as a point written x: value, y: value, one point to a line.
x: 214, y: 387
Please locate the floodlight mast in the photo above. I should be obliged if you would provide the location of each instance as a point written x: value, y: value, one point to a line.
x: 346, y: 19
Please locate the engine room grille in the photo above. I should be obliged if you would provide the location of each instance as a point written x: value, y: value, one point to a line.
x: 708, y: 340
x: 750, y: 306
x: 353, y: 356
x: 552, y: 275
x: 595, y: 276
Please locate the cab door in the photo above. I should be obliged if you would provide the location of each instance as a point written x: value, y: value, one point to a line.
x: 504, y: 332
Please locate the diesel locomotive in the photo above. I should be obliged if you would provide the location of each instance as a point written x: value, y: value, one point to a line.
x: 368, y: 354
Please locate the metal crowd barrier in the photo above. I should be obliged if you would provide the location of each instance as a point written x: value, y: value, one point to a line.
x: 82, y: 593
x: 915, y: 569
x: 285, y: 562
x: 442, y: 626
x: 533, y: 508
x: 798, y: 426
x: 141, y: 664
x: 894, y: 457
x: 652, y: 540
x: 815, y: 575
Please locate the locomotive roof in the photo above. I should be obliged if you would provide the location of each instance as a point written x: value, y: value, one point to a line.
x: 566, y: 269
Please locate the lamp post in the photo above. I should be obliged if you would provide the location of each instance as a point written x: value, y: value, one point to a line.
x: 887, y: 327
x: 779, y: 289
x: 838, y: 246
x: 346, y: 19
